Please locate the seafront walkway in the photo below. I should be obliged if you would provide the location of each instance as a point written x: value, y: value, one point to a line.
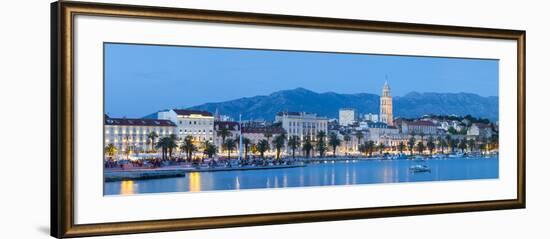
x: 179, y: 171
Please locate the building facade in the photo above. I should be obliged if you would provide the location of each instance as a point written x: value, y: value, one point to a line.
x: 347, y: 116
x: 419, y: 127
x: 386, y: 106
x: 480, y: 130
x: 370, y: 117
x: 133, y: 134
x: 196, y: 123
x: 256, y: 134
x: 232, y: 128
x: 302, y: 124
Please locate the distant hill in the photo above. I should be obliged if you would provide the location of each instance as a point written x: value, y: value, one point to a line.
x: 327, y: 104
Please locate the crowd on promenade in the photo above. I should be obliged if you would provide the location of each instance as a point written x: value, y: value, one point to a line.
x: 197, y: 163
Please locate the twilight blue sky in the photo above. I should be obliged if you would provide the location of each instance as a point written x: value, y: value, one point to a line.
x: 142, y: 79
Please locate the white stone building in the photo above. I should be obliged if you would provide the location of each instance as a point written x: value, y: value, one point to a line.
x: 302, y: 124
x: 196, y: 123
x: 347, y: 116
x: 419, y: 127
x: 371, y: 117
x: 125, y: 133
x: 480, y: 130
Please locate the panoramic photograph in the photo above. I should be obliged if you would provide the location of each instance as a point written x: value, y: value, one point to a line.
x: 195, y: 119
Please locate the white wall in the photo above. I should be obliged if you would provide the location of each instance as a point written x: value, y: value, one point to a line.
x: 24, y: 56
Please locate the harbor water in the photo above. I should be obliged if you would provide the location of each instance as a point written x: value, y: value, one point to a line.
x: 329, y: 173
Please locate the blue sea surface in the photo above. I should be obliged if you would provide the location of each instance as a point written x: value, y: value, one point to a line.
x: 316, y: 174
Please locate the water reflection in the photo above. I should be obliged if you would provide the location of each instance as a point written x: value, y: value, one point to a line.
x: 127, y: 187
x: 195, y: 182
x: 322, y: 174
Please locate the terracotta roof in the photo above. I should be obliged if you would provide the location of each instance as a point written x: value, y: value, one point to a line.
x: 482, y: 126
x: 190, y: 112
x: 138, y: 122
x: 226, y: 124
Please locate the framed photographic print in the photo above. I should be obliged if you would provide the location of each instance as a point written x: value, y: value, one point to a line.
x: 170, y: 119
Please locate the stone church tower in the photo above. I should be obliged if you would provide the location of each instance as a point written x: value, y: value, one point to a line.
x: 386, y: 108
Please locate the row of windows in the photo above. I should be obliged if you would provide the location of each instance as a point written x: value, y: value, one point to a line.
x: 198, y: 131
x: 196, y: 122
x: 306, y: 124
x: 124, y: 130
x: 312, y: 132
x: 130, y: 139
x: 116, y: 133
x: 122, y: 140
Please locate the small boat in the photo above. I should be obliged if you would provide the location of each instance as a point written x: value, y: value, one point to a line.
x: 418, y: 168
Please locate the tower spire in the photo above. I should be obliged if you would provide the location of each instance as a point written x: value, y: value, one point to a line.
x: 386, y: 106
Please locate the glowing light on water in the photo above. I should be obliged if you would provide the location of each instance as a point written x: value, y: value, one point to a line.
x: 194, y: 182
x: 127, y: 187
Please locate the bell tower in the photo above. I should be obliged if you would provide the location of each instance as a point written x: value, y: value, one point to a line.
x: 386, y: 107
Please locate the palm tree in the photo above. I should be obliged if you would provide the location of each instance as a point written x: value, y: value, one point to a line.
x: 152, y: 136
x: 484, y: 144
x: 262, y: 147
x: 449, y: 141
x: 268, y: 135
x: 163, y: 144
x: 381, y: 147
x: 411, y: 144
x: 430, y: 144
x: 308, y: 146
x: 127, y: 149
x: 224, y: 132
x: 110, y: 150
x: 359, y: 136
x: 401, y: 147
x: 370, y: 147
x: 472, y: 144
x: 441, y: 144
x: 347, y: 139
x: 363, y: 148
x: 334, y: 142
x: 230, y: 145
x: 171, y: 144
x: 188, y: 147
x: 321, y: 146
x: 294, y: 143
x: 493, y: 140
x: 454, y: 144
x: 209, y: 149
x: 462, y: 145
x: 246, y: 143
x: 420, y: 147
x: 279, y: 143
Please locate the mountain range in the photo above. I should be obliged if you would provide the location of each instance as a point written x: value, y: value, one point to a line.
x: 327, y: 104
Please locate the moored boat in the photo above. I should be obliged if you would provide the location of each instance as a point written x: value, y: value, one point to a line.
x: 419, y: 168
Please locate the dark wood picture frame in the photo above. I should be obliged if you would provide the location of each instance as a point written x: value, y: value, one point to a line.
x: 62, y: 118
